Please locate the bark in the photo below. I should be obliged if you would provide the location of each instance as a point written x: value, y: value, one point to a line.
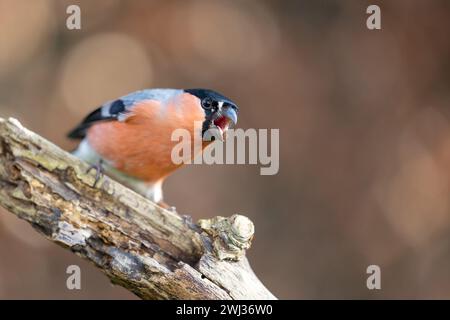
x: 153, y: 252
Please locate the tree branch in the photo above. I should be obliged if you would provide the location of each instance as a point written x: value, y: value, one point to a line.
x: 153, y: 252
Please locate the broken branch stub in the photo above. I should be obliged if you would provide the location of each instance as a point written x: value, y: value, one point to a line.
x: 231, y: 236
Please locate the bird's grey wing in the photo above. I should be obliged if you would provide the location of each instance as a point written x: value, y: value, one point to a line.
x: 119, y: 109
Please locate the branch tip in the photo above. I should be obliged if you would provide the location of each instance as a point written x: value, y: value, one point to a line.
x: 231, y: 236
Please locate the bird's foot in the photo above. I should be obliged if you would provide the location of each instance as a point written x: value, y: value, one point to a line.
x: 99, y: 171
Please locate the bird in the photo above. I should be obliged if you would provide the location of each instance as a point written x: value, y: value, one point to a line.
x: 129, y: 138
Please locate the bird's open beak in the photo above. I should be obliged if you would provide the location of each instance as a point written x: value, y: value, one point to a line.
x: 231, y: 114
x: 219, y: 126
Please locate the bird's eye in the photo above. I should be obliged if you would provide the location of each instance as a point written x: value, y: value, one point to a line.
x: 210, y: 104
x: 207, y: 103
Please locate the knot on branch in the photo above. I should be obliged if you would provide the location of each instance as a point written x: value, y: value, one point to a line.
x: 231, y: 236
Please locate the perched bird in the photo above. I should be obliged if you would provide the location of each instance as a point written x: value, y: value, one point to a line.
x: 129, y: 138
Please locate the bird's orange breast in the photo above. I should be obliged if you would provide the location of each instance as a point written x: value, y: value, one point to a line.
x: 141, y: 145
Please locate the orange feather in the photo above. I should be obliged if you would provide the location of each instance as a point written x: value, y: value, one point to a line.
x: 141, y: 145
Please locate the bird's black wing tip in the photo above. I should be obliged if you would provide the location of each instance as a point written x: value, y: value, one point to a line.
x: 114, y: 109
x: 78, y: 133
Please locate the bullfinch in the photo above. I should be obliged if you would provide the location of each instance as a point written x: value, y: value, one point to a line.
x: 129, y: 139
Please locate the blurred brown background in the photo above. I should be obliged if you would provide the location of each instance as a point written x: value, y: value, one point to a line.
x: 363, y: 118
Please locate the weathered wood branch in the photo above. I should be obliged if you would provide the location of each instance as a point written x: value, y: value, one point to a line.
x: 153, y: 252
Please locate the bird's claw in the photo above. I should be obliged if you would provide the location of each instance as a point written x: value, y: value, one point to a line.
x: 98, y: 166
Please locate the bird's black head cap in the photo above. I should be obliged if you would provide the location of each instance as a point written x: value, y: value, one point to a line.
x: 215, y: 106
x: 211, y: 98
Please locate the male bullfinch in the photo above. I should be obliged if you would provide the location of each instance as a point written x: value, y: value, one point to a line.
x: 130, y: 138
